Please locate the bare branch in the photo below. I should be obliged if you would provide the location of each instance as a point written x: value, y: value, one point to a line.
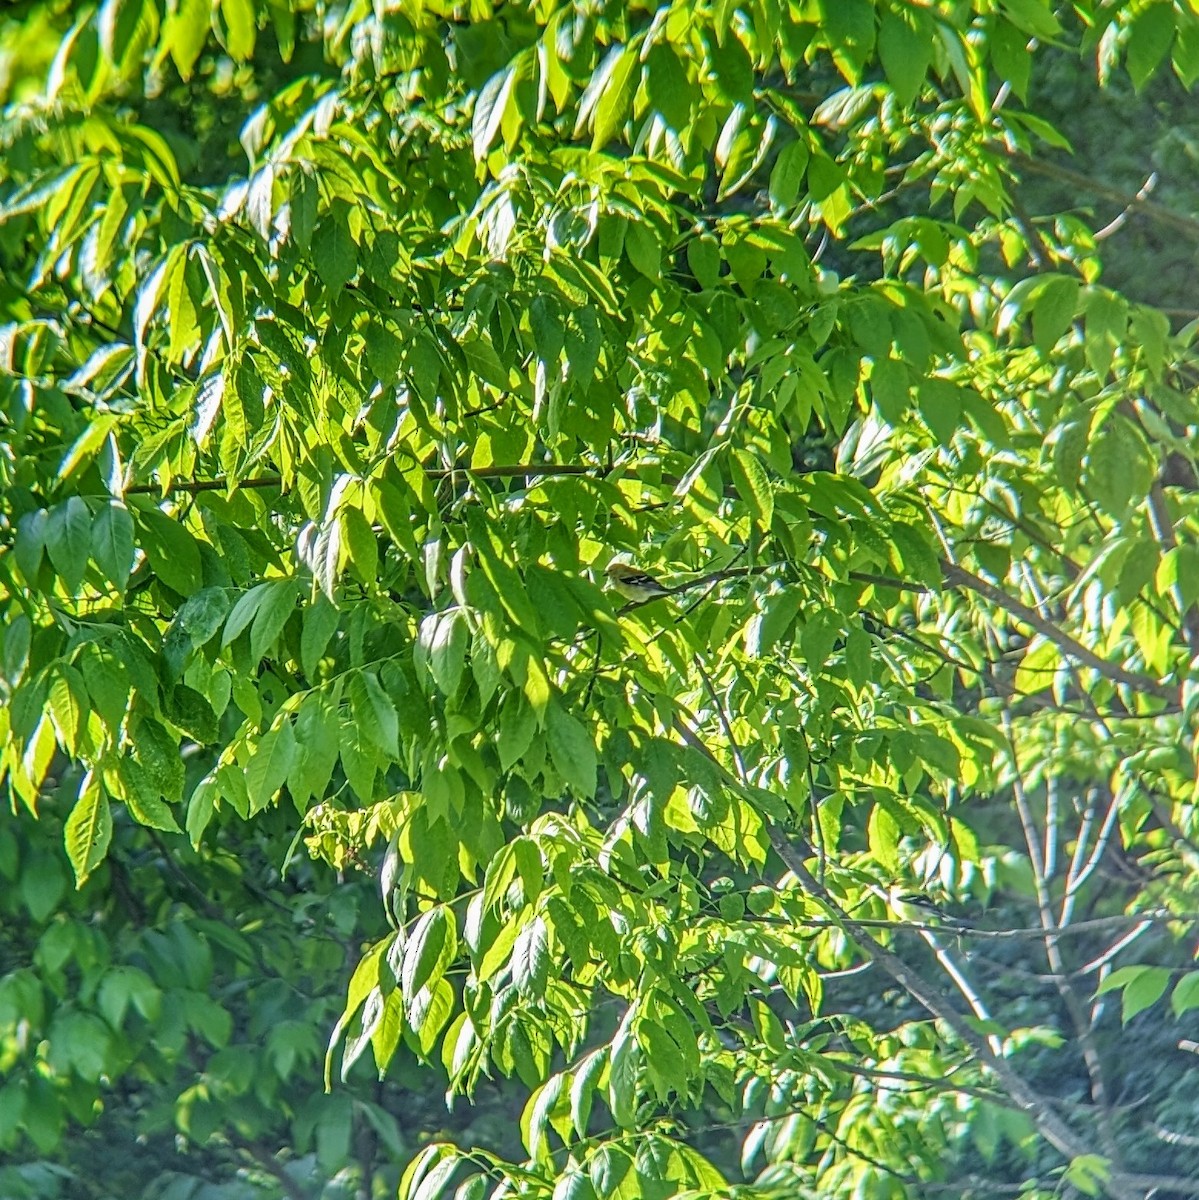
x: 501, y: 471
x: 1076, y: 179
x: 1083, y: 1026
x: 1117, y: 222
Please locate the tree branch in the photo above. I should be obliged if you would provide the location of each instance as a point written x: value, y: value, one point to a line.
x: 1076, y: 179
x: 1052, y: 1126
x: 1100, y: 1092
x: 512, y: 471
x: 959, y: 577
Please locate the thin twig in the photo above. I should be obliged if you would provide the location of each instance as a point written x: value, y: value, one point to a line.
x: 1101, y: 842
x: 1097, y: 964
x: 961, y: 981
x: 1031, y: 933
x: 1081, y: 842
x: 1117, y: 222
x: 195, y: 486
x: 510, y: 471
x: 724, y: 720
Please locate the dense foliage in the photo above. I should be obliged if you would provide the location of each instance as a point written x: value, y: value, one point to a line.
x: 343, y: 347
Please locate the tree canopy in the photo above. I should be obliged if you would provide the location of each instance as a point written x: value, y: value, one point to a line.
x: 343, y: 346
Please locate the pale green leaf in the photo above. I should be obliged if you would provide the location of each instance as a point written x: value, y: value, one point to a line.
x: 88, y: 829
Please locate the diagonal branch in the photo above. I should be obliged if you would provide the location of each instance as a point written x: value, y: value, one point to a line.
x: 1076, y: 179
x: 1040, y: 1109
x: 1056, y: 1130
x: 959, y: 577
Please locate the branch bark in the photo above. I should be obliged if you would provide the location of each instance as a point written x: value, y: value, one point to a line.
x: 1076, y: 179
x: 510, y: 471
x: 959, y: 577
x: 1052, y: 1126
x: 1100, y: 1092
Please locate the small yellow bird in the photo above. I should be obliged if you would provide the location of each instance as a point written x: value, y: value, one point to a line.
x: 635, y: 584
x: 917, y: 908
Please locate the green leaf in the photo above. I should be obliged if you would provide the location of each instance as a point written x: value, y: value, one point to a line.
x: 443, y: 640
x: 362, y: 1030
x: 1034, y: 17
x: 1186, y: 994
x: 849, y: 28
x: 883, y: 835
x: 1119, y: 465
x: 200, y: 810
x: 123, y: 987
x: 374, y: 712
x: 531, y: 957
x: 31, y: 544
x: 68, y: 707
x: 1150, y: 34
x: 905, y: 51
x: 549, y: 332
x: 667, y: 87
x: 237, y: 17
x: 571, y: 750
x: 185, y: 32
x: 360, y: 540
x: 786, y: 176
x: 644, y: 250
x: 917, y: 554
x: 1010, y: 56
x: 267, y: 769
x: 1186, y: 53
x: 126, y: 28
x: 1088, y: 1173
x: 143, y: 799
x: 1143, y: 990
x: 753, y: 486
x: 158, y: 752
x: 69, y: 540
x: 703, y: 257
x: 191, y: 712
x: 434, y: 1174
x: 171, y: 551
x: 334, y: 251
x: 83, y: 451
x: 319, y: 624
x: 890, y: 388
x: 518, y: 724
x: 940, y: 405
x: 623, y: 1061
x: 490, y: 105
x: 609, y: 95
x: 1054, y: 309
x: 859, y: 657
x: 15, y: 657
x: 203, y: 614
x: 277, y: 604
x: 529, y: 867
x: 1037, y: 669
x: 243, y: 612
x: 88, y: 829
x: 434, y: 1014
x: 584, y: 1087
x: 431, y: 948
